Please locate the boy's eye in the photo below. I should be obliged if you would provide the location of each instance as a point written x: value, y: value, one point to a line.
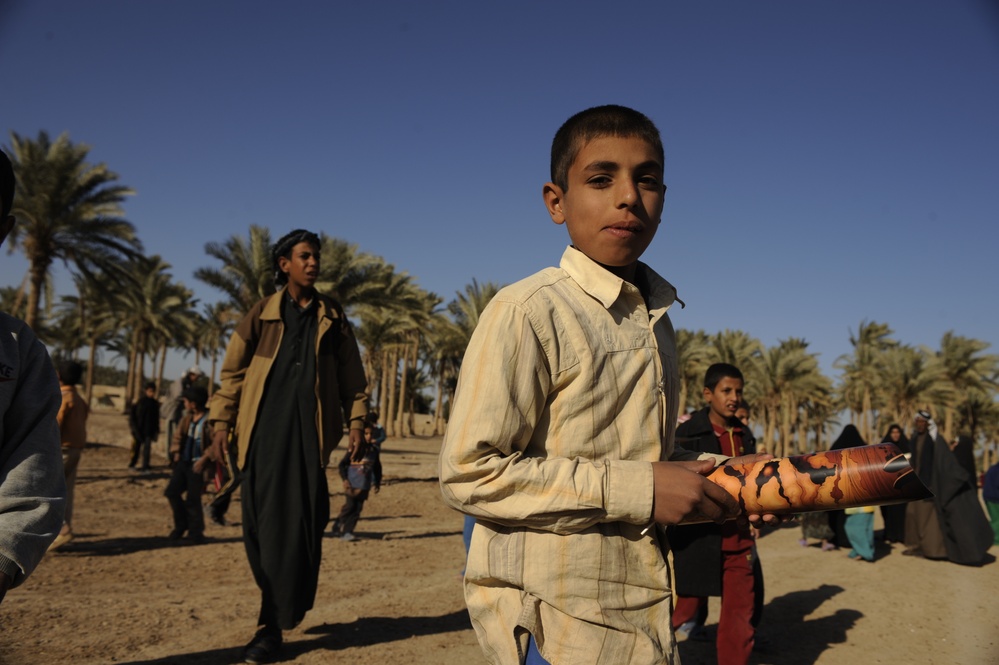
x: 599, y: 181
x: 649, y: 181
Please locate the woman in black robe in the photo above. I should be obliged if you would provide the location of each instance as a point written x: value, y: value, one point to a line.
x: 894, y: 515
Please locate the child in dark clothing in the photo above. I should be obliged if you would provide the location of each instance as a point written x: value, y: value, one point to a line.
x: 358, y: 477
x: 190, y: 440
x: 144, y: 420
x: 712, y: 559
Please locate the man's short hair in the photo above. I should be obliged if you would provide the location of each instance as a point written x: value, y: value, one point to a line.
x: 150, y: 385
x: 720, y: 371
x: 283, y: 247
x: 7, y: 185
x: 70, y: 372
x: 596, y: 122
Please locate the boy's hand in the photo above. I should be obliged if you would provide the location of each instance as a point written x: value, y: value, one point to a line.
x: 220, y: 441
x: 683, y: 493
x: 354, y: 441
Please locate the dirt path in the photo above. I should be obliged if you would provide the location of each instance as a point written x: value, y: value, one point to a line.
x: 122, y: 593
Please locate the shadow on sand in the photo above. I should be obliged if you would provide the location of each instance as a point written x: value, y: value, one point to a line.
x: 366, y: 631
x: 790, y: 638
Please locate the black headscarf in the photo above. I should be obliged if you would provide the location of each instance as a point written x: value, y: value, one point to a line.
x: 848, y: 438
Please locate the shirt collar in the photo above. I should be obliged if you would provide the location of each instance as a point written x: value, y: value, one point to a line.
x: 606, y: 287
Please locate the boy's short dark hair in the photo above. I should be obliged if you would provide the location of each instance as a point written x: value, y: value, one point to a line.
x: 720, y: 371
x: 198, y: 395
x: 70, y: 372
x: 609, y: 120
x: 282, y: 249
x: 7, y: 185
x: 150, y: 385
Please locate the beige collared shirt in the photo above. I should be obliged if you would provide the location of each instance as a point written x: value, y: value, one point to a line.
x: 568, y: 392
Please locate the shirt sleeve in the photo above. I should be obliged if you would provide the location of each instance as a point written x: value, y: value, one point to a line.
x: 489, y: 467
x: 33, y: 489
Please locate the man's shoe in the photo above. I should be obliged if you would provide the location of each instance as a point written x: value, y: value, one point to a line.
x: 263, y: 648
x: 197, y: 538
x: 349, y: 537
x: 175, y: 534
x: 912, y: 551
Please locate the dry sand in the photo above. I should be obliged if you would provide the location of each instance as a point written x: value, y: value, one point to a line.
x: 122, y: 593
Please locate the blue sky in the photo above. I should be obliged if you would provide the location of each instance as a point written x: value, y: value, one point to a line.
x: 828, y: 162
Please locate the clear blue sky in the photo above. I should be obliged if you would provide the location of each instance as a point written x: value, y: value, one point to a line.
x: 828, y: 161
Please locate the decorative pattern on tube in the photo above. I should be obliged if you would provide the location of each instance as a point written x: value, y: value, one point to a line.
x: 846, y: 478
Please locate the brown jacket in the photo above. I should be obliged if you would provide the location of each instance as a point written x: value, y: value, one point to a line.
x: 340, y: 383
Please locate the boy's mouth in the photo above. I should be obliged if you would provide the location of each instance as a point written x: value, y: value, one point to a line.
x: 625, y: 229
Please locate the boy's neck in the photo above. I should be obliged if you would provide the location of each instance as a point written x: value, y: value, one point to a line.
x: 717, y: 419
x: 301, y: 294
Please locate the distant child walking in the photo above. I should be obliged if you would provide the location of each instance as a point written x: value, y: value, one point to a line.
x: 144, y: 420
x: 358, y: 479
x: 72, y: 418
x: 190, y: 440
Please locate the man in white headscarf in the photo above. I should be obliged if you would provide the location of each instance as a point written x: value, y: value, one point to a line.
x: 950, y: 525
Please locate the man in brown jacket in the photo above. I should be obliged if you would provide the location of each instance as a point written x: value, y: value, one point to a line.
x: 72, y: 418
x: 292, y: 374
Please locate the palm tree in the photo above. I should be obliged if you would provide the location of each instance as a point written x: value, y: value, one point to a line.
x: 159, y: 311
x: 790, y: 375
x: 247, y: 273
x: 967, y: 371
x: 860, y: 387
x: 212, y: 334
x: 910, y: 381
x: 694, y: 354
x: 67, y: 210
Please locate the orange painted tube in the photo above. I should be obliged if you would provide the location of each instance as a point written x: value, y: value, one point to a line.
x: 846, y: 478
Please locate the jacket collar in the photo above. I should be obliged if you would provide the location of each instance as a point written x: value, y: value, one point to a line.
x: 606, y: 287
x: 272, y: 308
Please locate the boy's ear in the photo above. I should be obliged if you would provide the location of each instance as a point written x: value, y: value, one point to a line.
x: 553, y: 195
x: 6, y: 227
x: 707, y: 392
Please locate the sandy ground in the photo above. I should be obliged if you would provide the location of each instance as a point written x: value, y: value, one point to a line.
x: 122, y: 593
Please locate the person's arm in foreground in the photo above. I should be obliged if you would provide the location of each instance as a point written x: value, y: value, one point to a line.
x: 33, y: 490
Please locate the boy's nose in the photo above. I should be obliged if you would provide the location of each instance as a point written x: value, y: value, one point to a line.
x: 627, y: 194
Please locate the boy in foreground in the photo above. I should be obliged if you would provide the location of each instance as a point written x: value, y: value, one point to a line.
x: 565, y: 408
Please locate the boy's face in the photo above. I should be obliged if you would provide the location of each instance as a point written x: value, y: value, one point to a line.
x: 150, y: 392
x: 724, y: 399
x: 369, y: 434
x: 613, y: 203
x: 188, y: 405
x: 302, y: 266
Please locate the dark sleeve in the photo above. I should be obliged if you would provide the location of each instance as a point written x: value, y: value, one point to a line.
x: 377, y: 468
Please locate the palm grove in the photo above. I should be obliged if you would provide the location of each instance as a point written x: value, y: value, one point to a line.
x: 128, y: 304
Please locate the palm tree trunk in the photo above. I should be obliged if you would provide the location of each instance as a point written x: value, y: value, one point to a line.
x: 91, y: 360
x: 383, y: 391
x: 393, y: 368
x: 439, y: 405
x: 37, y: 281
x: 159, y: 371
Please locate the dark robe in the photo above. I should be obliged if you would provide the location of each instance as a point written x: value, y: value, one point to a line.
x: 285, y: 496
x: 848, y: 438
x: 954, y: 516
x: 894, y: 514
